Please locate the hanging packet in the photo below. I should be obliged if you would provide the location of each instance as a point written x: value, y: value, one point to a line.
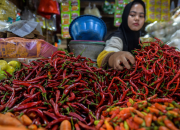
x: 74, y: 15
x: 65, y: 18
x: 75, y: 5
x: 65, y: 6
x: 65, y: 31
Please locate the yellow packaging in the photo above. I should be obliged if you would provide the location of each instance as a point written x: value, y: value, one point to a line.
x: 6, y: 6
x: 150, y: 8
x: 3, y: 14
x: 2, y: 2
x: 157, y: 10
x: 165, y: 10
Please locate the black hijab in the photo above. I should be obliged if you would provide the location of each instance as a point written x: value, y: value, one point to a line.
x: 130, y: 38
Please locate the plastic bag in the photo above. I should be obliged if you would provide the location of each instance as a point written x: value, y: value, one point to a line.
x: 88, y: 9
x: 16, y: 47
x: 175, y: 43
x: 176, y: 35
x: 95, y: 11
x: 28, y: 15
x: 158, y: 33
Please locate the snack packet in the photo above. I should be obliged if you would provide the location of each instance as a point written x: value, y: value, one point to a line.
x: 16, y: 47
x: 65, y: 31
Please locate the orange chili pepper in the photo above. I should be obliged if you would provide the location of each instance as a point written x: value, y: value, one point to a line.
x: 176, y: 110
x: 138, y: 120
x: 154, y: 110
x: 139, y: 114
x: 163, y: 128
x: 127, y: 110
x: 100, y: 123
x: 108, y: 126
x: 49, y: 74
x: 101, y: 128
x: 132, y: 124
x: 117, y: 128
x: 141, y: 129
x: 166, y: 104
x: 173, y: 113
x: 170, y: 125
x: 125, y: 116
x: 154, y: 118
x: 104, y: 113
x: 114, y: 111
x: 122, y: 126
x: 129, y: 104
x: 160, y: 107
x: 148, y: 119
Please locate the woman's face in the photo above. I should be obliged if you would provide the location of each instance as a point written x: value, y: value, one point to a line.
x: 136, y: 17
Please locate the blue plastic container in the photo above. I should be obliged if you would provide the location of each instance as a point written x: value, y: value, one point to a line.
x: 87, y: 27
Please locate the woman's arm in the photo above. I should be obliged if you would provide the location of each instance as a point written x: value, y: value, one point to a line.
x: 113, y: 45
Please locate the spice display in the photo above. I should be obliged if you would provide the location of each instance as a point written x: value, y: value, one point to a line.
x: 66, y: 87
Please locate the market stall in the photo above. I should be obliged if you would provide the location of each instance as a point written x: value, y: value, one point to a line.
x: 43, y: 87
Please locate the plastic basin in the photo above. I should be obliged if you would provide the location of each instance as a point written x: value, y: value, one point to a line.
x: 91, y: 48
x: 87, y: 27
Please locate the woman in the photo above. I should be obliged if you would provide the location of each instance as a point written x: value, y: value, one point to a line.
x: 120, y: 43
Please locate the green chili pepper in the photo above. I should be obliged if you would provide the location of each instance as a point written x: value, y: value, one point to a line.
x: 126, y: 125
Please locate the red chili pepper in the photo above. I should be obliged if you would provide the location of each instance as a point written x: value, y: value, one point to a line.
x: 55, y: 127
x: 66, y: 91
x: 83, y: 107
x: 79, y: 78
x: 162, y: 77
x: 110, y: 102
x: 27, y: 105
x: 102, y: 100
x: 29, y: 75
x: 37, y: 86
x: 73, y: 114
x: 10, y: 99
x: 175, y: 77
x: 113, y: 81
x: 85, y: 126
x: 57, y: 95
x: 8, y: 87
x: 72, y: 97
x: 91, y: 120
x: 55, y: 106
x: 147, y: 71
x: 40, y: 113
x: 56, y: 121
x: 38, y: 78
x: 161, y: 100
x: 134, y: 71
x: 2, y: 88
x: 123, y: 96
x: 77, y: 126
x: 131, y: 82
x: 177, y: 86
x: 52, y: 115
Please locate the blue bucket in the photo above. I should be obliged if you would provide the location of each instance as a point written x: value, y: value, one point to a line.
x: 87, y: 27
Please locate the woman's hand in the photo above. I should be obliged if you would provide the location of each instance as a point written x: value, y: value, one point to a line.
x: 121, y: 56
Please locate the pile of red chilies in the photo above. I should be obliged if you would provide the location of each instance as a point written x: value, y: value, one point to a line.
x: 69, y: 87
